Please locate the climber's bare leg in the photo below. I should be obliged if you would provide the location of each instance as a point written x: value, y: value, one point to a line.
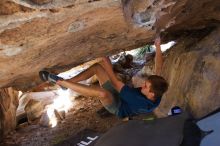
x: 104, y: 96
x: 95, y: 69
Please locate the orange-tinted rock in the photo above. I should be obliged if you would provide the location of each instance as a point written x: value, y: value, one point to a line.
x: 34, y: 109
x: 62, y: 34
x: 8, y: 106
x: 8, y: 8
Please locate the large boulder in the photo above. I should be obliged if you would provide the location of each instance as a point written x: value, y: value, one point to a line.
x: 34, y: 109
x: 58, y: 35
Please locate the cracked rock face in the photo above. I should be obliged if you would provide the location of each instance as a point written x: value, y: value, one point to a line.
x: 58, y: 35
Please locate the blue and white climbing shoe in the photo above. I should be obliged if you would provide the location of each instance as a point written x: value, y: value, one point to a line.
x: 53, y: 78
x: 43, y: 75
x: 46, y: 76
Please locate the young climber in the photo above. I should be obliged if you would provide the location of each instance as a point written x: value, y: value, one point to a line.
x: 115, y: 96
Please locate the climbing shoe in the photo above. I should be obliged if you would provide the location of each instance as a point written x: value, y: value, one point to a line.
x: 52, y: 78
x: 46, y: 76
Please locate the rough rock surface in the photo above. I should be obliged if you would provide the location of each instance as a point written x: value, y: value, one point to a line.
x: 8, y: 106
x: 34, y: 109
x: 9, y: 8
x: 62, y: 39
x: 61, y: 34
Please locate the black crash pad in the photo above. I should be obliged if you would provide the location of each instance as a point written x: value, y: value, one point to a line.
x: 85, y: 137
x: 159, y: 132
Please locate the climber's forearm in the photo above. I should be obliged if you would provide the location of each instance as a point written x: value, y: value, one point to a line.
x: 158, y: 57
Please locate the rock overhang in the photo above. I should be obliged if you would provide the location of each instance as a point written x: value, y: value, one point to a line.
x: 60, y: 35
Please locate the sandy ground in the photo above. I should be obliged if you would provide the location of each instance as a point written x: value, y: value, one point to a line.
x: 82, y: 116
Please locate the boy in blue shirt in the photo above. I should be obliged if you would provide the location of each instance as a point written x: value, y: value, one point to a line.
x: 115, y: 96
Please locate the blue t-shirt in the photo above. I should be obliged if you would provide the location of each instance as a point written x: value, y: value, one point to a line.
x: 133, y: 102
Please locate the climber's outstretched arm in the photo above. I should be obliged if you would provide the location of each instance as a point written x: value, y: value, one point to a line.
x: 158, y: 57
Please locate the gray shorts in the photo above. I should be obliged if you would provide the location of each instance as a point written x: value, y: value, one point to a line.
x: 114, y: 107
